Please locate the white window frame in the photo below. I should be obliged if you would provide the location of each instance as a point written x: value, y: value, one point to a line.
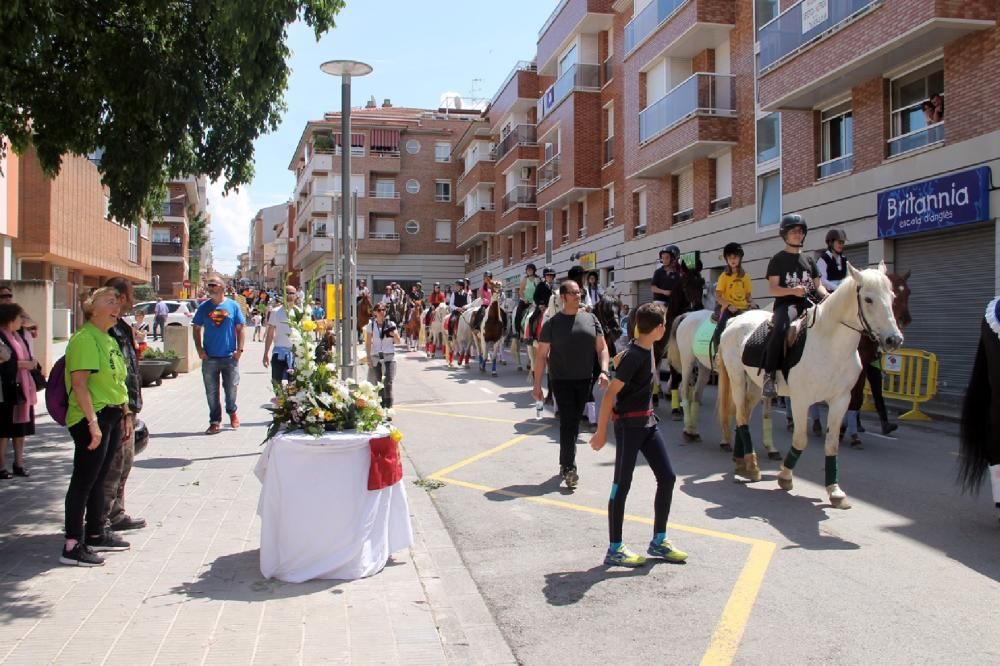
x: 922, y: 72
x: 643, y: 213
x: 133, y: 243
x: 413, y: 186
x: 684, y: 212
x: 609, y: 217
x: 442, y: 198
x: 827, y: 118
x: 412, y: 146
x: 412, y: 227
x: 437, y: 226
x: 760, y: 201
x: 442, y: 156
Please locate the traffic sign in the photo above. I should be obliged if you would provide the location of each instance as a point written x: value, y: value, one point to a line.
x: 187, y: 284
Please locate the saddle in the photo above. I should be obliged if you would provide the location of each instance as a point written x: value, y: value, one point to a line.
x: 757, y: 344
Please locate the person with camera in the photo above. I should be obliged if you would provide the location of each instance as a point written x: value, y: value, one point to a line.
x: 381, y: 338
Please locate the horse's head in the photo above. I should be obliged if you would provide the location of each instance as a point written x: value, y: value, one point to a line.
x: 875, y: 300
x: 693, y: 289
x: 605, y: 311
x: 901, y: 302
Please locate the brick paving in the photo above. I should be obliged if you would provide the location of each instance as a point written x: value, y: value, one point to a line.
x: 190, y: 589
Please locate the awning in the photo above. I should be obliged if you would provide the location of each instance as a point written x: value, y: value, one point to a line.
x: 385, y: 139
x: 357, y: 140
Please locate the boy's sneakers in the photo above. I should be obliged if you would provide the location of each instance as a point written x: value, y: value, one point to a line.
x: 770, y: 391
x: 623, y: 557
x: 570, y: 476
x: 666, y: 550
x: 81, y: 556
x: 107, y: 542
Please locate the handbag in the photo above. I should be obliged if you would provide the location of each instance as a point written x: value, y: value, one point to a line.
x: 39, y: 377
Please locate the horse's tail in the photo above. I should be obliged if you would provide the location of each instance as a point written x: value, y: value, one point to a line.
x: 724, y: 402
x: 673, y: 348
x: 976, y: 433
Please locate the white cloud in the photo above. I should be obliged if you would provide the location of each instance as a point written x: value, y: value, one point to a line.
x: 231, y: 217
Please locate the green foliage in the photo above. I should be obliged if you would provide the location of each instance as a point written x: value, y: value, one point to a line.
x: 323, y: 143
x: 166, y: 89
x: 144, y: 292
x: 197, y: 229
x: 152, y: 354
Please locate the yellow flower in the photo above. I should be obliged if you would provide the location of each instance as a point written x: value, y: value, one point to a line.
x: 308, y: 326
x: 328, y: 416
x: 397, y: 436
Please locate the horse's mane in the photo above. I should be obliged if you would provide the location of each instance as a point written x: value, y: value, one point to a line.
x: 605, y: 311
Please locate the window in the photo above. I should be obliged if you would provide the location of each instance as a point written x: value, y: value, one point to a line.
x: 768, y: 138
x: 765, y: 11
x: 413, y: 186
x: 413, y: 146
x: 357, y: 183
x: 568, y: 60
x: 768, y: 199
x: 640, y: 210
x: 837, y: 150
x: 161, y: 235
x: 723, y: 183
x: 412, y: 227
x: 442, y: 190
x: 609, y: 206
x: 685, y: 196
x: 442, y: 231
x: 442, y: 152
x: 133, y: 243
x: 910, y: 125
x: 564, y: 224
x: 609, y: 136
x: 384, y: 228
x: 524, y: 242
x: 581, y: 220
x: 385, y: 189
x: 510, y: 249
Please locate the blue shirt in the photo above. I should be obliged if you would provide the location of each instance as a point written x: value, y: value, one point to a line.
x: 219, y: 323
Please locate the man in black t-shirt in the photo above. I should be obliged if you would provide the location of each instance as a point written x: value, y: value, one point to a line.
x: 630, y: 398
x: 666, y: 278
x: 570, y: 343
x: 792, y: 278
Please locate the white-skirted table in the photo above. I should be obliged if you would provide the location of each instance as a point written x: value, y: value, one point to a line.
x: 318, y: 518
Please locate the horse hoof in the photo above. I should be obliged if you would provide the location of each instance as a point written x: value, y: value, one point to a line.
x: 784, y: 484
x: 691, y: 436
x: 774, y: 455
x: 725, y: 446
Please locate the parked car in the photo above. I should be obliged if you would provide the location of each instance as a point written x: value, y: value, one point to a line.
x: 180, y: 313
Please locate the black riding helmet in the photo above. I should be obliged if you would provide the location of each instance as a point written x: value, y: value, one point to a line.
x: 672, y: 250
x: 488, y: 274
x: 549, y: 271
x: 790, y: 221
x: 835, y: 235
x: 733, y: 249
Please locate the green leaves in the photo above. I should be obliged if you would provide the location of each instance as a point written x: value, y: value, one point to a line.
x: 168, y: 88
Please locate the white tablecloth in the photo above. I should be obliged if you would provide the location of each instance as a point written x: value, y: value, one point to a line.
x: 318, y: 518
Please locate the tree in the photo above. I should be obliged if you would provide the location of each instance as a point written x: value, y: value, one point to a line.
x: 164, y: 88
x: 197, y: 229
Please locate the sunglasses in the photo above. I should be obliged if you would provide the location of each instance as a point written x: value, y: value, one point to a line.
x: 212, y: 284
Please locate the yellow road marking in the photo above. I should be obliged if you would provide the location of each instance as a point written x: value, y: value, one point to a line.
x: 485, y: 454
x: 447, y: 404
x: 460, y: 416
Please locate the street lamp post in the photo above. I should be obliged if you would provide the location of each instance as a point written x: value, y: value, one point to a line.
x: 346, y: 69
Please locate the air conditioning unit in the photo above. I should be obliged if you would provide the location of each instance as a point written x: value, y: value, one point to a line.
x: 525, y: 173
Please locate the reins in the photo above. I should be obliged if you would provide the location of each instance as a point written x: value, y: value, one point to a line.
x: 866, y: 328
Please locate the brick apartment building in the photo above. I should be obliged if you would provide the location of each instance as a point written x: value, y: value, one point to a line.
x: 9, y: 177
x: 647, y: 122
x: 405, y: 179
x: 171, y: 235
x: 264, y: 242
x: 65, y: 234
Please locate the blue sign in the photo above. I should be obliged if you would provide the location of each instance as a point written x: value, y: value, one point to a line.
x: 932, y: 205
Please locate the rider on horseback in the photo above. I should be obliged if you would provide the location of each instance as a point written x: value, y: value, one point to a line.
x: 459, y: 301
x: 831, y: 264
x: 437, y: 296
x: 666, y: 277
x: 792, y: 278
x: 527, y: 292
x: 543, y: 293
x: 577, y: 274
x: 733, y: 292
x: 486, y: 294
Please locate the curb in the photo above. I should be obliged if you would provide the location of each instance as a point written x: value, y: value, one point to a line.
x: 468, y: 631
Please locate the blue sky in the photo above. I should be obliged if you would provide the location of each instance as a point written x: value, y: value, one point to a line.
x: 418, y: 50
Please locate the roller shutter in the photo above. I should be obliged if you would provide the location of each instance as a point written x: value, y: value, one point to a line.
x: 951, y: 283
x: 644, y: 289
x: 857, y: 255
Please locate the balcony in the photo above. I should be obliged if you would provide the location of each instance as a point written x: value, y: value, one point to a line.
x: 690, y: 122
x: 569, y: 19
x: 475, y: 227
x: 382, y: 161
x: 522, y: 135
x: 320, y: 163
x: 834, y: 166
x: 383, y: 202
x: 517, y: 94
x: 522, y: 196
x: 379, y: 243
x: 320, y: 203
x: 518, y: 208
x: 856, y: 41
x: 693, y: 24
x: 578, y: 77
x: 314, y: 249
x: 481, y: 173
x: 168, y: 251
x: 548, y: 173
x: 607, y: 72
x: 173, y: 210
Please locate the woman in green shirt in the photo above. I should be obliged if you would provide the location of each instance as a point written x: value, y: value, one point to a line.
x: 98, y: 405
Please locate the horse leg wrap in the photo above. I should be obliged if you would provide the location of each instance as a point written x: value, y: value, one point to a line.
x: 831, y: 470
x: 675, y: 399
x: 768, y: 433
x: 792, y: 458
x: 746, y: 442
x: 738, y: 450
x: 693, y: 408
x: 995, y: 481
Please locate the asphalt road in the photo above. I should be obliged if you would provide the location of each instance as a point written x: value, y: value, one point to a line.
x: 909, y: 575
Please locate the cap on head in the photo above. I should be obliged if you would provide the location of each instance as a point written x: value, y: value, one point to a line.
x: 835, y: 235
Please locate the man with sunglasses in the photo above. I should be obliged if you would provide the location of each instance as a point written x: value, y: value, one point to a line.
x: 218, y: 330
x: 570, y: 342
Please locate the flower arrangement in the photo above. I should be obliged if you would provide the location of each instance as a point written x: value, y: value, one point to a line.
x: 315, y: 399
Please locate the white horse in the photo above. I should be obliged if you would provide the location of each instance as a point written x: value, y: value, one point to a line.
x: 827, y: 371
x: 465, y: 336
x: 684, y: 358
x: 436, y: 337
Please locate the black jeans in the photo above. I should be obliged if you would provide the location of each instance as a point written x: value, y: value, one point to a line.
x: 630, y: 440
x: 159, y: 322
x: 85, y: 495
x: 874, y: 375
x: 775, y: 353
x: 572, y: 396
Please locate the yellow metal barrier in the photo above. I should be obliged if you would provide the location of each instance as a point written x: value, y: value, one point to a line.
x: 910, y: 375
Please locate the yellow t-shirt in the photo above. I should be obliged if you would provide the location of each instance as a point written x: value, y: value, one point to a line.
x: 735, y: 289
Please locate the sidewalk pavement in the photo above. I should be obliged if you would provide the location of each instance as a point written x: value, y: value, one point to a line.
x: 190, y: 588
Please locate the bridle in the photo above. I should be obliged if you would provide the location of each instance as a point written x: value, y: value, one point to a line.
x: 866, y: 328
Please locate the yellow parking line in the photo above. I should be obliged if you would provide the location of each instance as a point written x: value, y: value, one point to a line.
x: 485, y: 454
x: 448, y: 404
x: 459, y: 416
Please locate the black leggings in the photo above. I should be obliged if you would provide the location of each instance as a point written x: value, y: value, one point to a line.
x: 874, y: 375
x: 86, y: 485
x: 630, y: 441
x: 775, y: 353
x: 572, y: 396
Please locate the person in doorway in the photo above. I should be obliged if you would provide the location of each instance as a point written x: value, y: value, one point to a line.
x: 281, y: 360
x: 628, y: 404
x: 569, y: 344
x: 160, y: 312
x: 218, y: 330
x: 381, y: 338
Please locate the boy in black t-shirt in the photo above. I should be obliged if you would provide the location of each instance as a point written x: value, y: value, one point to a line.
x: 791, y: 278
x: 630, y: 397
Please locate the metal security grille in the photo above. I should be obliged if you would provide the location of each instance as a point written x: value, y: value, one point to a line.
x: 857, y: 255
x: 952, y: 281
x: 644, y: 289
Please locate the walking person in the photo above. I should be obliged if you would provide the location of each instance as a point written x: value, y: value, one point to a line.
x: 629, y: 404
x: 381, y: 338
x: 256, y: 319
x: 17, y: 378
x: 569, y: 344
x: 218, y: 329
x: 96, y: 416
x: 160, y: 312
x: 115, y: 516
x: 279, y: 332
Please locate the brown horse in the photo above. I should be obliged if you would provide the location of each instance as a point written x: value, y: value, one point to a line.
x: 491, y: 333
x: 413, y: 325
x: 364, y: 312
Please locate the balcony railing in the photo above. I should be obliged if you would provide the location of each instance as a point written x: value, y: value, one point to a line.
x: 648, y: 20
x: 720, y: 204
x: 609, y: 149
x: 787, y: 33
x: 167, y: 249
x: 551, y: 18
x: 835, y: 166
x: 172, y: 209
x: 377, y: 194
x: 577, y: 76
x: 609, y: 218
x: 520, y: 135
x: 383, y: 153
x: 924, y: 136
x: 607, y: 72
x: 521, y: 195
x: 683, y: 215
x: 383, y: 235
x: 701, y: 93
x: 548, y: 173
x: 482, y: 207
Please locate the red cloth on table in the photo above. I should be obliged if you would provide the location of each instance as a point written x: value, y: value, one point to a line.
x: 386, y: 467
